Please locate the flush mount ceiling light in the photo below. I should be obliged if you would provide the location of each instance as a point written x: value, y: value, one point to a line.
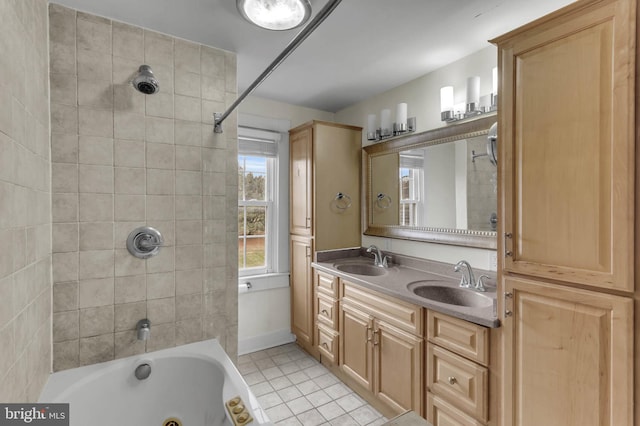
x: 275, y: 15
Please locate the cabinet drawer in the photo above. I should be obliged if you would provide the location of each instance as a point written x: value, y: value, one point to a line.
x: 403, y: 315
x: 327, y: 310
x: 327, y: 284
x: 458, y: 381
x: 327, y: 342
x: 462, y: 337
x: 441, y: 413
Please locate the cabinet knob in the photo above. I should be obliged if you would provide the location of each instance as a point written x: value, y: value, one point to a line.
x: 508, y: 313
x: 452, y: 380
x: 508, y: 253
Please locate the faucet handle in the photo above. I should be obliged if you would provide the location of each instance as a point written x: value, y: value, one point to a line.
x: 480, y: 284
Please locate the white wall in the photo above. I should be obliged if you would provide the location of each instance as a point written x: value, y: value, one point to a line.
x: 278, y: 110
x: 423, y: 98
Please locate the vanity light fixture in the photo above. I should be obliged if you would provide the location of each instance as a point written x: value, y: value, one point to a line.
x: 387, y: 129
x: 277, y: 15
x: 471, y: 106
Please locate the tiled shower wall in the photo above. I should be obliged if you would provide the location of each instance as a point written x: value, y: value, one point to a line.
x: 122, y: 159
x: 25, y: 201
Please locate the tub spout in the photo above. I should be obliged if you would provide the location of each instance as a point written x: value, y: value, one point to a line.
x: 144, y: 329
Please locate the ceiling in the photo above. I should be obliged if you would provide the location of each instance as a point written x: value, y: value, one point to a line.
x: 364, y: 48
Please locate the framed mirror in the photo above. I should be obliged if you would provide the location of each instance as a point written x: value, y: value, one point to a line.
x: 437, y: 186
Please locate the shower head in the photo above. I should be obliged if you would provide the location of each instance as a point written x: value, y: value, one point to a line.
x: 145, y: 82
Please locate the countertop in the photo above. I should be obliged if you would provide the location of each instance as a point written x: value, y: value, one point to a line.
x: 407, y: 271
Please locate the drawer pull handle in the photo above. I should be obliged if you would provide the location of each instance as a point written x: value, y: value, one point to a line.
x: 324, y: 311
x: 324, y: 344
x: 452, y: 380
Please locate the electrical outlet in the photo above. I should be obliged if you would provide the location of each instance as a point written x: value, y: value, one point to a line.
x: 493, y: 261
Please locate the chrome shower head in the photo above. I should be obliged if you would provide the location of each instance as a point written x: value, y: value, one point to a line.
x: 145, y: 82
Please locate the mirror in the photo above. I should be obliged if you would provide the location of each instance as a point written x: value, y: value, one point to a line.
x: 437, y: 186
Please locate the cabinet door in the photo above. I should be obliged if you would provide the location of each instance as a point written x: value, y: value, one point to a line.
x: 398, y: 368
x: 301, y: 290
x: 568, y: 356
x: 567, y: 145
x: 356, y: 337
x: 442, y: 413
x: 300, y: 155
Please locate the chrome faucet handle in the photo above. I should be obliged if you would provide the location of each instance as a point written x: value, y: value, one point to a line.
x: 480, y: 284
x: 464, y: 281
x: 377, y: 255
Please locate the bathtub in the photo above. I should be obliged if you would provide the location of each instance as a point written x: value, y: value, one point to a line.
x: 190, y: 383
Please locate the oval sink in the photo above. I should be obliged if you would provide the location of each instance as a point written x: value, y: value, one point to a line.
x: 452, y: 295
x: 361, y: 269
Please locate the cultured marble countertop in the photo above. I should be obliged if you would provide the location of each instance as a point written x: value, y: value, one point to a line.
x: 406, y: 270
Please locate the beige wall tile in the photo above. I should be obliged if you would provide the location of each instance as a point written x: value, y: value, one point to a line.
x: 65, y: 326
x: 188, y: 108
x: 64, y: 88
x: 189, y: 232
x: 158, y: 48
x: 128, y: 265
x: 93, y: 36
x: 160, y: 182
x: 127, y: 344
x: 160, y: 156
x: 96, y: 236
x: 214, y: 231
x: 130, y: 289
x: 187, y: 84
x: 96, y: 179
x: 161, y: 311
x: 162, y: 336
x: 129, y: 153
x: 130, y: 207
x: 62, y: 25
x: 168, y: 230
x: 66, y: 355
x: 188, y: 306
x: 96, y: 264
x: 164, y: 261
x: 130, y: 180
x: 214, y: 160
x: 95, y: 93
x: 65, y: 267
x: 214, y: 184
x: 128, y: 41
x: 188, y: 157
x: 62, y: 57
x: 94, y: 293
x: 64, y: 148
x: 209, y: 108
x: 187, y: 56
x: 95, y: 122
x: 189, y: 282
x: 213, y: 88
x: 160, y: 207
x: 65, y: 296
x: 6, y: 300
x: 96, y: 321
x: 188, y: 207
x: 96, y: 349
x: 189, y: 331
x: 65, y: 237
x: 127, y: 99
x: 96, y: 207
x: 64, y: 119
x: 160, y: 104
x: 189, y: 257
x: 212, y: 61
x: 122, y: 231
x: 188, y: 183
x: 64, y: 207
x: 124, y: 69
x: 127, y: 315
x: 129, y: 126
x: 159, y: 130
x: 93, y: 64
x: 160, y: 285
x: 188, y: 133
x: 95, y: 150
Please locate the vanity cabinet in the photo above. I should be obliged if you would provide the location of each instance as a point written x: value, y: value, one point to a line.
x: 566, y: 202
x: 325, y: 161
x: 326, y: 320
x: 381, y: 347
x: 457, y: 373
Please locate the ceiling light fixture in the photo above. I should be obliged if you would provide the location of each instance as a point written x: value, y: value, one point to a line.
x: 275, y: 15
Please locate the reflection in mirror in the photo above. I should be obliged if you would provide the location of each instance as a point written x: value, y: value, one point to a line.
x: 438, y: 186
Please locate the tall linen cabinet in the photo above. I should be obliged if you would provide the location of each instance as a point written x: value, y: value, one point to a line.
x: 567, y: 197
x: 325, y: 162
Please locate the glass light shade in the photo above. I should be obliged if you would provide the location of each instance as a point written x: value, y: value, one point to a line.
x: 275, y: 15
x: 473, y: 90
x: 446, y: 98
x: 401, y: 113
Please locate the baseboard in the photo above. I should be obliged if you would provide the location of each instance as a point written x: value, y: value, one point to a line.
x: 265, y: 341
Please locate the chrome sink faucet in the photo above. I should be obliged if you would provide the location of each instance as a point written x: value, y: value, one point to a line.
x: 468, y: 280
x: 378, y: 258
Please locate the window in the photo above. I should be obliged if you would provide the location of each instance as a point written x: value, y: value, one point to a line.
x: 410, y: 199
x: 257, y: 211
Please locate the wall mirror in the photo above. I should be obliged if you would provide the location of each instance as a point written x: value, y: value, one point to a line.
x: 437, y: 186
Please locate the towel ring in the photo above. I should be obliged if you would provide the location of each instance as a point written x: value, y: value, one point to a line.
x: 342, y: 201
x: 383, y: 201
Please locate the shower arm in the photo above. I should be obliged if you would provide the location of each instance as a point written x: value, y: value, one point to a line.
x: 293, y: 44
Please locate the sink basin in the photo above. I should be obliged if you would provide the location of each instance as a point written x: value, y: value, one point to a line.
x: 361, y: 269
x: 451, y: 295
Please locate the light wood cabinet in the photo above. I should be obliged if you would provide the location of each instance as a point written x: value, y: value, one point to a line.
x: 566, y: 247
x: 442, y: 413
x: 326, y: 316
x: 567, y: 356
x: 301, y: 291
x: 566, y: 118
x: 376, y: 350
x: 325, y: 160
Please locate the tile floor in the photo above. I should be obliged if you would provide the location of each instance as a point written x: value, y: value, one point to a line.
x: 295, y: 389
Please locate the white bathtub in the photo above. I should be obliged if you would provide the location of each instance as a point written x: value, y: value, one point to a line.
x: 190, y: 383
